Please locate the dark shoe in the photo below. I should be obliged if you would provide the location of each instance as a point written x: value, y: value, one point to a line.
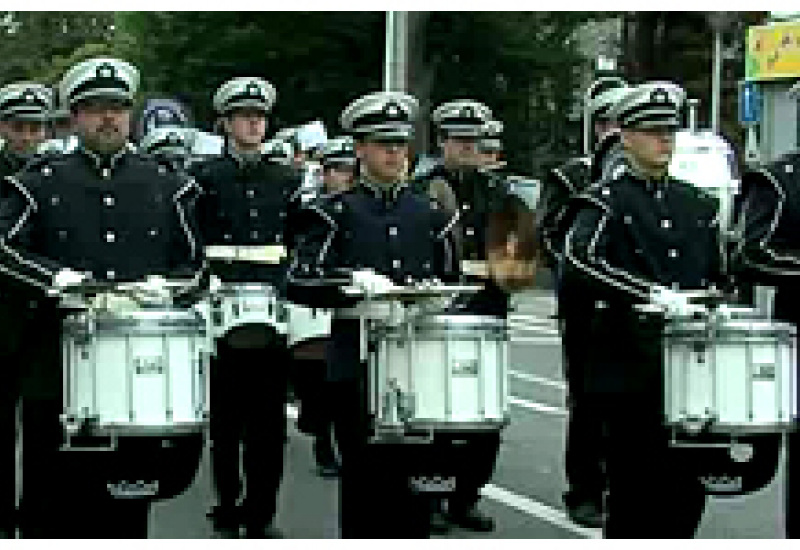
x: 438, y: 524
x: 329, y: 471
x: 262, y: 532
x: 586, y: 514
x: 327, y: 465
x: 225, y: 518
x: 472, y: 519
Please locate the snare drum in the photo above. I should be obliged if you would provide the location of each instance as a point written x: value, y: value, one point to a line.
x: 734, y: 376
x: 238, y: 305
x: 134, y: 373
x: 441, y: 372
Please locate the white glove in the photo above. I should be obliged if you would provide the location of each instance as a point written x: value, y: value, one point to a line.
x: 153, y: 290
x: 67, y: 277
x: 371, y: 282
x: 674, y: 303
x: 214, y: 284
x: 114, y: 303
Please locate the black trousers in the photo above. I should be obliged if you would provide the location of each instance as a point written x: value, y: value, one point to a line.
x: 313, y: 391
x: 375, y: 495
x: 473, y: 463
x: 583, y: 455
x: 653, y: 490
x: 248, y: 409
x: 63, y: 496
x: 9, y: 396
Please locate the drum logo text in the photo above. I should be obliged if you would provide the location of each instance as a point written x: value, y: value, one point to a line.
x: 764, y: 371
x: 133, y: 489
x: 432, y: 484
x: 722, y: 483
x: 148, y: 365
x: 465, y: 368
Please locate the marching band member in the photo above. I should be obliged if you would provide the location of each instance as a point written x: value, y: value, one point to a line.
x: 338, y: 164
x: 767, y: 254
x: 244, y: 205
x: 379, y: 224
x: 583, y: 457
x: 78, y: 216
x: 24, y: 110
x: 338, y: 159
x: 465, y: 185
x: 636, y: 237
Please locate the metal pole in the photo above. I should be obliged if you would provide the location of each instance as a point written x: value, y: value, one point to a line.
x: 389, y: 51
x: 396, y: 54
x: 716, y: 79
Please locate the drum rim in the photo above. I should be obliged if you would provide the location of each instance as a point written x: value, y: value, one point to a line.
x: 144, y: 320
x: 459, y: 322
x: 230, y: 290
x: 723, y: 428
x: 734, y: 325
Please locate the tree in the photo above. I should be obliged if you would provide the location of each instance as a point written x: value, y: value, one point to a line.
x: 40, y: 45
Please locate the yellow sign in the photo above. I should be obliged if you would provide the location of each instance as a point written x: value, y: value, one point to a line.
x: 773, y: 51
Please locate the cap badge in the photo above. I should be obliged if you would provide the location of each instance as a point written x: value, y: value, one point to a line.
x: 106, y: 70
x: 660, y: 96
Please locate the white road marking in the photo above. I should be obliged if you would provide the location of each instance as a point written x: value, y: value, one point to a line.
x: 539, y: 510
x: 544, y: 339
x: 538, y: 407
x: 538, y: 379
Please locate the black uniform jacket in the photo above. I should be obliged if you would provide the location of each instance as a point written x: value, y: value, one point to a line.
x: 246, y: 204
x: 767, y: 232
x: 119, y: 219
x: 398, y: 233
x: 628, y: 233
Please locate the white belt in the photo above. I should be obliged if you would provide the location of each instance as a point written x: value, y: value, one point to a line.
x: 264, y: 254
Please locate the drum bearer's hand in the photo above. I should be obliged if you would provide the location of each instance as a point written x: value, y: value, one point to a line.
x: 153, y: 290
x: 114, y: 303
x: 674, y: 303
x: 371, y: 282
x: 67, y: 277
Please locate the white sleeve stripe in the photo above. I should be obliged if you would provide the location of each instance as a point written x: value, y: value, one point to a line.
x: 326, y: 247
x: 562, y: 177
x: 449, y: 225
x: 763, y: 243
x: 195, y: 282
x: 595, y: 273
x: 22, y: 277
x: 187, y: 231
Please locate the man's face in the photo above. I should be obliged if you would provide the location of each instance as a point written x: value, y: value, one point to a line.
x: 338, y: 176
x: 384, y: 160
x: 652, y: 149
x: 104, y: 125
x: 461, y: 152
x: 23, y: 136
x: 246, y: 127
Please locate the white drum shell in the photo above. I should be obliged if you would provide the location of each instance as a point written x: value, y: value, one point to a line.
x: 742, y: 380
x: 306, y: 323
x: 136, y: 372
x: 453, y: 367
x: 248, y: 304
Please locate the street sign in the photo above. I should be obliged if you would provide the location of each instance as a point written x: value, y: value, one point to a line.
x: 750, y: 99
